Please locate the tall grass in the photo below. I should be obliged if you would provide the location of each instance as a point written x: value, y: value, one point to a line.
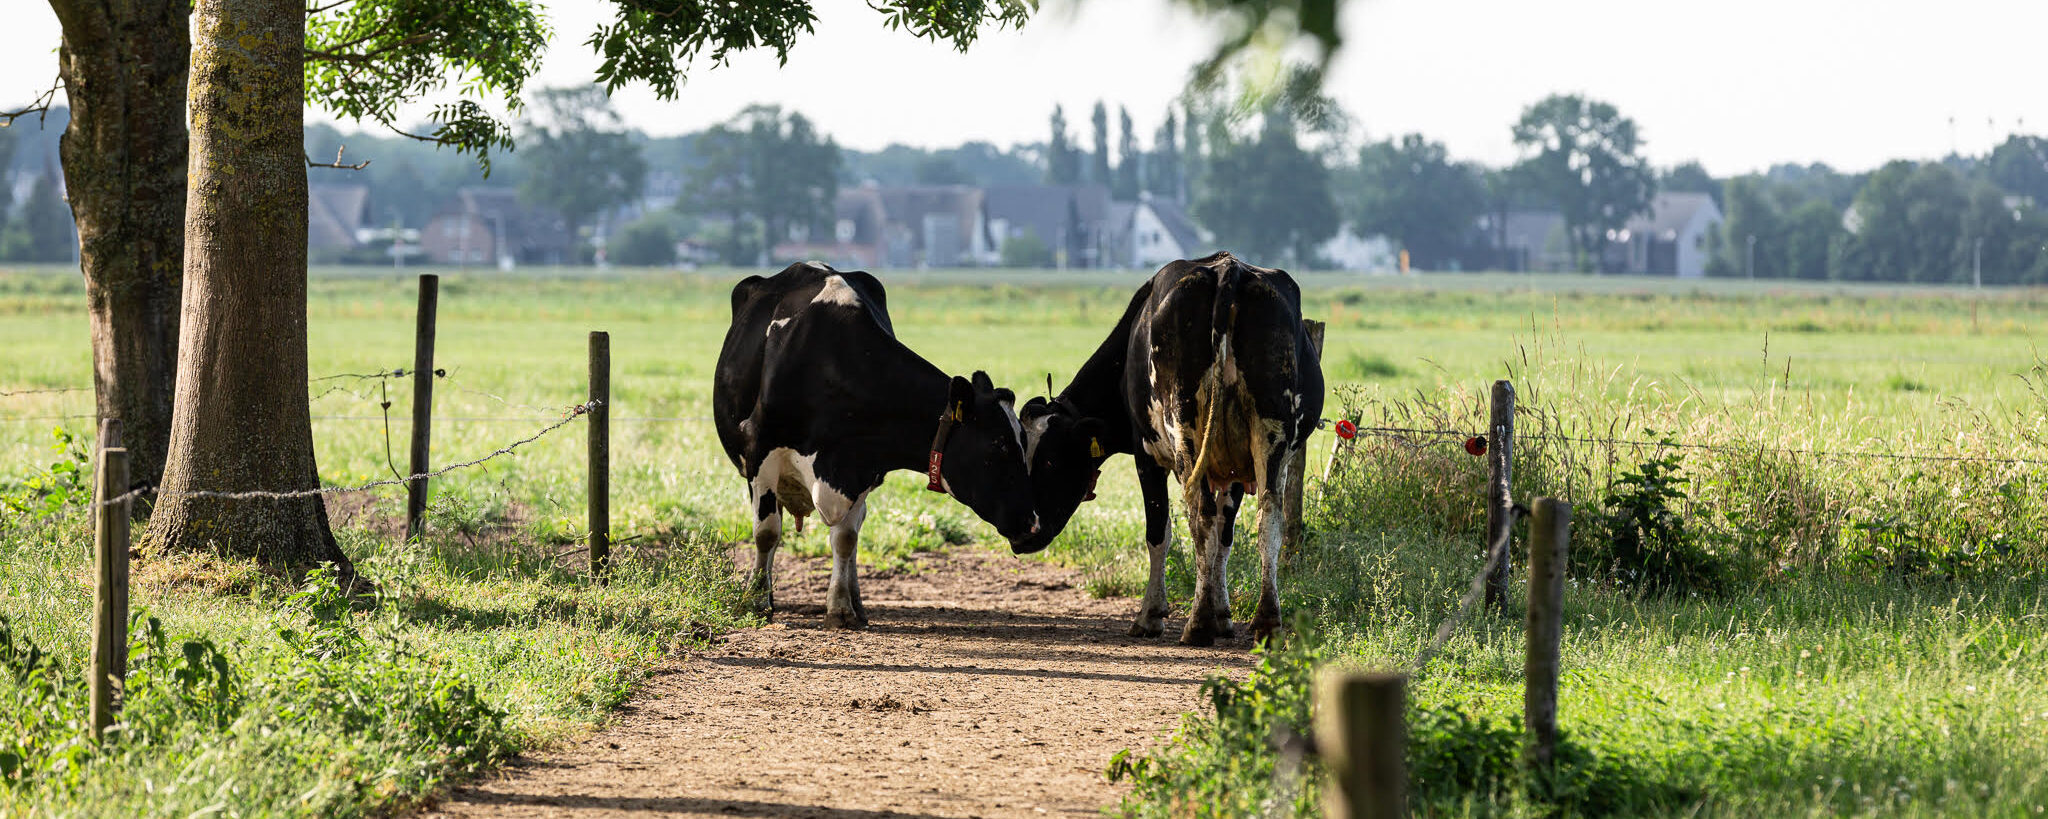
x: 1767, y: 482
x: 1868, y: 643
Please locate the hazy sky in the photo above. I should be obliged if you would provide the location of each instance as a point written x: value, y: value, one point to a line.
x: 1736, y: 84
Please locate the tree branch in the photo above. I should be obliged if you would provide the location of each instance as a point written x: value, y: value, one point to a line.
x: 40, y: 107
x: 337, y: 162
x: 312, y: 10
x: 431, y: 140
x: 338, y: 56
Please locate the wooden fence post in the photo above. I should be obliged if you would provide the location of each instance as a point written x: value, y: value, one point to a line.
x: 1550, y: 536
x: 422, y: 404
x: 600, y: 456
x: 1297, y: 464
x: 110, y: 581
x: 110, y: 438
x: 1500, y: 499
x: 1361, y: 733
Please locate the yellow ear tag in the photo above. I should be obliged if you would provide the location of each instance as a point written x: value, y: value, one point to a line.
x: 1095, y: 448
x: 959, y: 411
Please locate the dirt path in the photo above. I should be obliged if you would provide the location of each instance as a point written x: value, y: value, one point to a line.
x: 986, y: 686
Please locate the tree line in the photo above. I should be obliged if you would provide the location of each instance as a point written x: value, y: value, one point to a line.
x: 768, y: 174
x: 1275, y: 184
x: 1956, y: 220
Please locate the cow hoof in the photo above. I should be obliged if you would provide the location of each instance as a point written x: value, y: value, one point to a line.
x: 1195, y: 635
x: 851, y: 620
x: 1148, y: 627
x: 1265, y: 631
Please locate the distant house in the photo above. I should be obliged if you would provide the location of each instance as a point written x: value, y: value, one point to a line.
x: 1670, y: 240
x: 336, y: 216
x: 1160, y: 232
x: 906, y: 227
x: 922, y: 226
x: 1350, y: 252
x: 489, y: 225
x: 859, y: 229
x: 1075, y: 221
x: 660, y: 191
x: 935, y: 226
x: 1529, y: 240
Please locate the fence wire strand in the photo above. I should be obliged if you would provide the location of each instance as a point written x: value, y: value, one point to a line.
x: 46, y: 391
x: 1419, y: 438
x: 458, y: 386
x: 578, y: 411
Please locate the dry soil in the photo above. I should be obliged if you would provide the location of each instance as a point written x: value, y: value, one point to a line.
x: 985, y: 686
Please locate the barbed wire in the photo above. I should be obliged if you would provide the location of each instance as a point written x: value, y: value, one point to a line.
x: 47, y: 391
x: 26, y: 418
x: 1817, y: 453
x: 380, y: 375
x: 396, y: 373
x: 1404, y: 437
x: 517, y: 418
x: 457, y: 385
x: 1408, y: 437
x: 382, y: 379
x: 578, y: 411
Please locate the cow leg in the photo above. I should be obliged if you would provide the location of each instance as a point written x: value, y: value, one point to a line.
x: 1224, y: 531
x: 1152, y: 612
x: 843, y: 608
x: 767, y: 537
x: 1204, y: 507
x: 1273, y: 489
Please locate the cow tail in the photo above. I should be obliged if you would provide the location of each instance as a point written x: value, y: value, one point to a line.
x: 1222, y: 325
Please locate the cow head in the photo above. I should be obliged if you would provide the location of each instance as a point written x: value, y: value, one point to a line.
x: 983, y: 464
x: 1066, y: 452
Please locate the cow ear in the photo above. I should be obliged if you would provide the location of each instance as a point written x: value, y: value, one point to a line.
x: 960, y: 402
x: 1004, y: 395
x: 1034, y: 409
x: 982, y: 381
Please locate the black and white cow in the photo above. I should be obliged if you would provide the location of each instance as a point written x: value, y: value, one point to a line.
x: 1209, y: 374
x: 815, y: 401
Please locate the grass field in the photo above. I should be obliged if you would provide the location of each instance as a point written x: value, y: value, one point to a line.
x: 1847, y: 635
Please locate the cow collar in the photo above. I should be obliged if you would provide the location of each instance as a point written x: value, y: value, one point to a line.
x: 938, y: 455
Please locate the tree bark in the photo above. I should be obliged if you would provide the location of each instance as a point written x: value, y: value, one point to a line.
x: 241, y: 420
x: 124, y: 67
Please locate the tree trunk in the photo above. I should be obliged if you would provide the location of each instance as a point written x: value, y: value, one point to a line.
x: 123, y: 66
x: 241, y: 420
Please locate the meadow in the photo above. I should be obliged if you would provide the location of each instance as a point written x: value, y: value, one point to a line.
x: 1754, y: 628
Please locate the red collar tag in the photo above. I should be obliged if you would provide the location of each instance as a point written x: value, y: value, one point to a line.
x: 932, y: 471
